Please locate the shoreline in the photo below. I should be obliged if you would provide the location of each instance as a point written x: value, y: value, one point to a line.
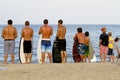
x: 59, y: 71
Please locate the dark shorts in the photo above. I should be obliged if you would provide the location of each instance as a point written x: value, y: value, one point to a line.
x: 81, y: 49
x: 62, y: 44
x: 27, y: 46
x: 110, y: 51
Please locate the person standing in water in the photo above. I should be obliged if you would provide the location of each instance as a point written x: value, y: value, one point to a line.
x: 9, y: 34
x: 116, y: 49
x: 27, y: 35
x: 80, y: 36
x: 103, y: 44
x: 46, y: 32
x: 61, y: 32
x: 87, y: 41
x: 110, y: 47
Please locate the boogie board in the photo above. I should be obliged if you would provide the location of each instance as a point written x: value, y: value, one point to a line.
x: 21, y: 51
x: 92, y: 53
x: 56, y: 52
x: 39, y: 53
x: 76, y: 56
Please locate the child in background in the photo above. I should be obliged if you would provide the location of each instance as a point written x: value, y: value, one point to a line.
x: 87, y: 41
x: 110, y: 47
x: 116, y: 48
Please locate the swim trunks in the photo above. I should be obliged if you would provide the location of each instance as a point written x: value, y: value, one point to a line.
x: 110, y: 51
x: 103, y: 49
x: 9, y: 46
x: 81, y: 49
x: 46, y: 46
x: 27, y: 46
x: 62, y: 44
x: 87, y: 51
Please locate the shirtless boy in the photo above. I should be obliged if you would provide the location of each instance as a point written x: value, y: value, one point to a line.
x: 61, y: 32
x: 87, y: 41
x: 81, y: 40
x: 27, y: 34
x: 9, y: 33
x: 46, y: 32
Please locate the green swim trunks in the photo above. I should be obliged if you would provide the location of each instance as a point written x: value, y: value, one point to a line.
x: 87, y: 53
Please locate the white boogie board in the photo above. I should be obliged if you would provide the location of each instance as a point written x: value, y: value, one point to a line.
x: 21, y: 52
x: 92, y: 53
x: 39, y: 54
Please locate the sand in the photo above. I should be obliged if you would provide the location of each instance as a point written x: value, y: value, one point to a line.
x: 67, y: 71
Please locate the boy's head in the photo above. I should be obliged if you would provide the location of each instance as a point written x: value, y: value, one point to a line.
x: 45, y: 21
x: 10, y: 22
x: 60, y: 21
x: 103, y: 29
x: 86, y: 33
x: 79, y: 30
x: 27, y: 23
x: 110, y: 34
x: 116, y: 39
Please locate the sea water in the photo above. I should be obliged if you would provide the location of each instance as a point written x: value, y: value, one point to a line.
x: 94, y: 30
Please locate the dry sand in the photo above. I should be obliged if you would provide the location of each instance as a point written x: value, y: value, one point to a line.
x: 67, y: 71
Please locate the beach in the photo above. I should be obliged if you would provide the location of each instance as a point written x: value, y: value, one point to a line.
x: 65, y: 71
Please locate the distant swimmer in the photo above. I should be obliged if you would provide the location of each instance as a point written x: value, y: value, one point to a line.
x: 80, y: 36
x: 103, y: 44
x: 46, y: 32
x: 9, y: 33
x: 27, y: 35
x: 61, y: 32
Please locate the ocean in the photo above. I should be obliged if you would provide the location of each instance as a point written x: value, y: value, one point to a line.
x: 94, y: 30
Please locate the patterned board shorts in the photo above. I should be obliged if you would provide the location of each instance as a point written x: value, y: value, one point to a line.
x: 81, y: 49
x: 9, y: 47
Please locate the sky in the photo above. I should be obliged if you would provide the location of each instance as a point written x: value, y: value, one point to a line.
x: 71, y: 11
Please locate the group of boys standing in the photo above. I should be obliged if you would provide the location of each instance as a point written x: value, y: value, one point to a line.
x: 9, y: 33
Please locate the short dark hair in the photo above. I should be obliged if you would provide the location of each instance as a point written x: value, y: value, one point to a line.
x: 27, y: 23
x: 79, y: 30
x: 10, y: 22
x: 86, y: 33
x: 60, y: 21
x: 116, y: 39
x: 45, y: 21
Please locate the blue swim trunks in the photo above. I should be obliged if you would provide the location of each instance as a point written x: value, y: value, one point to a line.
x: 81, y: 49
x: 46, y: 46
